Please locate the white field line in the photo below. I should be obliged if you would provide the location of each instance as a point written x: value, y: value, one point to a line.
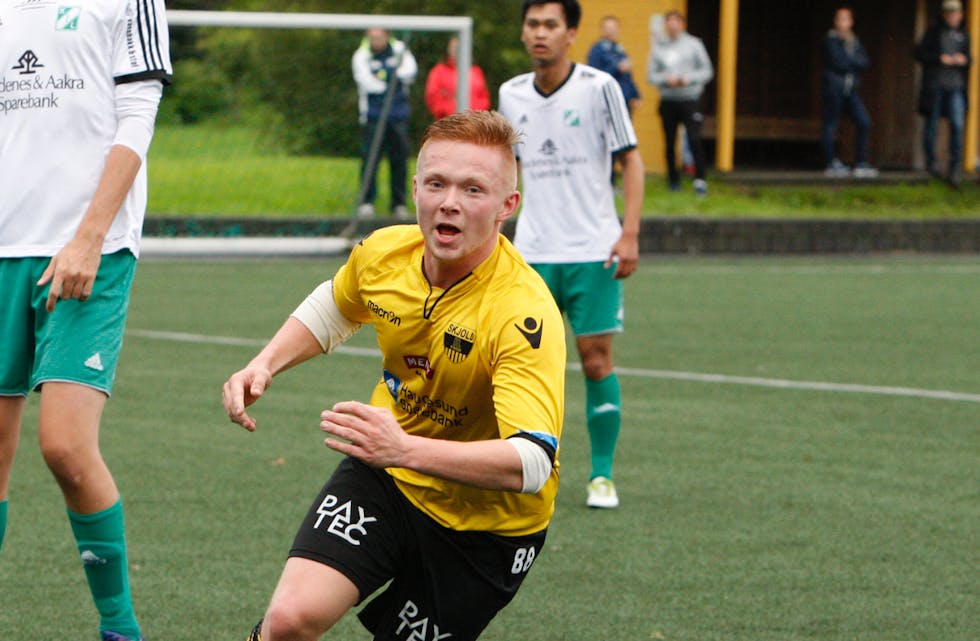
x: 774, y: 383
x: 884, y: 269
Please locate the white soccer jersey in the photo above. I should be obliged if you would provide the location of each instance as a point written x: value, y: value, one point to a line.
x: 568, y: 213
x: 60, y: 61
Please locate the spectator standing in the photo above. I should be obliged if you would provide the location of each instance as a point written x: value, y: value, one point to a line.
x: 73, y: 179
x: 679, y: 68
x: 574, y: 120
x: 844, y: 60
x: 440, y: 85
x: 383, y: 65
x: 944, y: 53
x: 609, y: 55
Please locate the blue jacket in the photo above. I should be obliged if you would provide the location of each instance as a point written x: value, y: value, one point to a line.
x: 606, y: 56
x: 842, y: 62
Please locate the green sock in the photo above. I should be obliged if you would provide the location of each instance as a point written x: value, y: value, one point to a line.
x: 602, y: 415
x: 3, y: 520
x: 101, y: 541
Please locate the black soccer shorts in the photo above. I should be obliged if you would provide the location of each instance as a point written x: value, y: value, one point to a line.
x: 443, y: 582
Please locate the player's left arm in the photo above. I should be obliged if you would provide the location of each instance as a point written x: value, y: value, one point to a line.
x: 627, y: 248
x: 622, y: 138
x: 72, y: 270
x: 373, y: 436
x: 139, y: 79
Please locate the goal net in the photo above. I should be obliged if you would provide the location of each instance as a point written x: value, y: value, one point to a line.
x: 261, y: 123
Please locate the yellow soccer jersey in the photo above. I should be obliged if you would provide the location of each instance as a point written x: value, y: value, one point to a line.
x: 481, y: 360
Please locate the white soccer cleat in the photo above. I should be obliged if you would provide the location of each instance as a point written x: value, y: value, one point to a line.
x: 864, y: 170
x: 602, y: 493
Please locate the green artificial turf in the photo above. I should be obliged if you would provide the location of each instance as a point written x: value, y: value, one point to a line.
x: 749, y: 511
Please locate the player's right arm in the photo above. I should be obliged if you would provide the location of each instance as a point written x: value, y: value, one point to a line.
x: 317, y: 326
x: 293, y: 344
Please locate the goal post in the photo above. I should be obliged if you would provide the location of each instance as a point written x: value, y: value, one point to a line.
x: 462, y: 26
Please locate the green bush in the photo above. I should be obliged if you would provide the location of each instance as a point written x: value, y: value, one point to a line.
x: 200, y: 90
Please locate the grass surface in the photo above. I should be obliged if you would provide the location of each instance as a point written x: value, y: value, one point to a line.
x: 749, y: 512
x: 231, y: 171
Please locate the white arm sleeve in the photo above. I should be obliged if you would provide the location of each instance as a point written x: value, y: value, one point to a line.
x: 536, y: 464
x: 136, y: 113
x: 408, y: 69
x: 320, y: 314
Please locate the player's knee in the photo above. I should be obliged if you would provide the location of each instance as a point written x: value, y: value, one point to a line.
x: 596, y: 369
x: 284, y: 622
x: 64, y: 462
x: 596, y: 363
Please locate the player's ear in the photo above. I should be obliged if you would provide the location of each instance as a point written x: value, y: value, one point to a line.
x: 511, y: 202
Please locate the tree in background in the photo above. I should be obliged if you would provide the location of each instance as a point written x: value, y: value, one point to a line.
x: 296, y: 85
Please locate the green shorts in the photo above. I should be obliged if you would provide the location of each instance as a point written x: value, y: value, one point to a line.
x: 79, y: 342
x: 588, y: 294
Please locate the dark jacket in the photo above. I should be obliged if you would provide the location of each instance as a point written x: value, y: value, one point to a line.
x: 606, y: 55
x: 842, y: 62
x: 927, y: 52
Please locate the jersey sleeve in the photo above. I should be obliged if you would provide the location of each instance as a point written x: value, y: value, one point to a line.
x: 505, y: 108
x: 142, y: 43
x: 346, y: 289
x: 620, y: 135
x: 528, y: 372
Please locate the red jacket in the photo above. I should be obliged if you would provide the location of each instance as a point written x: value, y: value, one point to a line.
x: 440, y: 90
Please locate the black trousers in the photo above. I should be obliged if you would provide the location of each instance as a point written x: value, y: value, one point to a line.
x: 394, y: 143
x: 672, y: 114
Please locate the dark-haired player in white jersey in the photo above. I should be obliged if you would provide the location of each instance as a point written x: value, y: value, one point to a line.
x: 574, y: 119
x: 79, y: 88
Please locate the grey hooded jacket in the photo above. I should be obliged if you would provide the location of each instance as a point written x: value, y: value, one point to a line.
x: 685, y: 56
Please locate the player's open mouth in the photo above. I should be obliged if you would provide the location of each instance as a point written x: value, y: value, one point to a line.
x: 446, y: 231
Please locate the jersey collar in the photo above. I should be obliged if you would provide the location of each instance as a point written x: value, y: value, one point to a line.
x: 571, y: 70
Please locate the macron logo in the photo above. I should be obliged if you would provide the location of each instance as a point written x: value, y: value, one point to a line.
x: 531, y: 331
x: 94, y: 362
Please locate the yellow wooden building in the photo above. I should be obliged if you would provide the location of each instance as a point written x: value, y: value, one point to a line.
x: 764, y: 102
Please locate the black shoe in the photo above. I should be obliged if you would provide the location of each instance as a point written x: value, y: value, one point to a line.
x: 955, y: 178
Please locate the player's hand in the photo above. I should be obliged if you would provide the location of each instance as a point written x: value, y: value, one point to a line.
x: 626, y: 254
x: 370, y: 434
x: 241, y: 390
x: 71, y: 272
